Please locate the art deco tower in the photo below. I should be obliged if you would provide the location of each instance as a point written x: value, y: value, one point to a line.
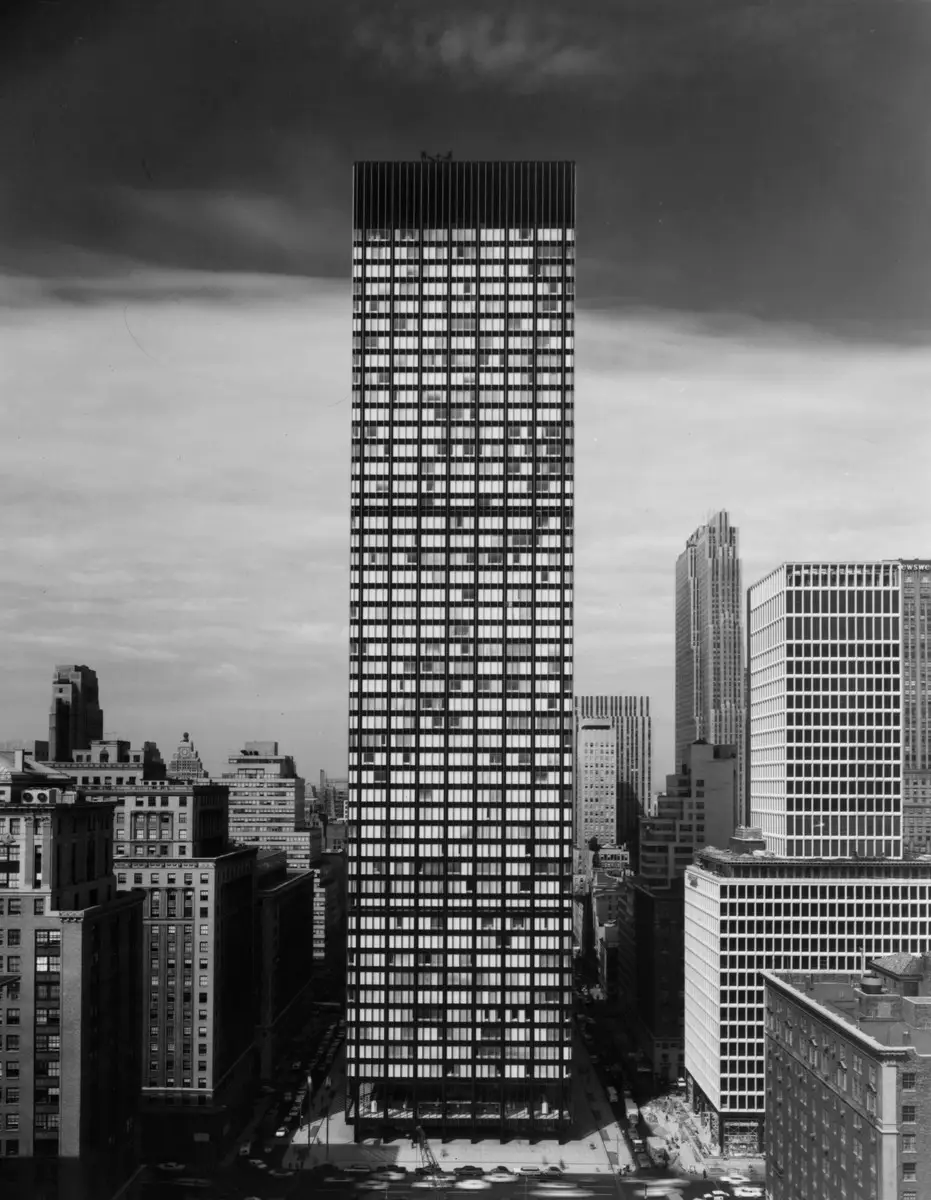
x: 709, y: 644
x: 460, y: 760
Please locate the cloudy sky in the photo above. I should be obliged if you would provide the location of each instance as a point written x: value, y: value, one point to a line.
x: 754, y: 311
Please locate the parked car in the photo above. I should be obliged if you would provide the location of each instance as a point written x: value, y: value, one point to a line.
x: 245, y: 1150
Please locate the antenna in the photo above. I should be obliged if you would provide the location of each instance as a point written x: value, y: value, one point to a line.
x: 447, y: 157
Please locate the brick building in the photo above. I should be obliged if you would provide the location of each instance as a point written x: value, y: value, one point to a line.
x: 848, y: 1082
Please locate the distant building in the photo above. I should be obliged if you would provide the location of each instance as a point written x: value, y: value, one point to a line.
x: 332, y: 795
x: 710, y: 703
x: 614, y: 756
x: 266, y: 806
x: 698, y: 809
x: 185, y: 762
x: 848, y: 1082
x: 112, y: 762
x: 75, y: 717
x: 71, y: 960
x: 285, y: 955
x: 329, y: 924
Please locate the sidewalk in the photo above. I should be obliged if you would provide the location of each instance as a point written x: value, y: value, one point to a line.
x: 673, y: 1120
x: 599, y: 1151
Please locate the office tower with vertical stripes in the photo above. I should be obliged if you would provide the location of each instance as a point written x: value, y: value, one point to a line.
x: 460, y: 758
x: 840, y: 760
x: 709, y: 644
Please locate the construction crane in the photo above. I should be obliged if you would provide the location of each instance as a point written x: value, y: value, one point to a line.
x: 427, y: 1157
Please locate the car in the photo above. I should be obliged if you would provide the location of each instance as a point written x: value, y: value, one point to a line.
x: 734, y: 1178
x: 281, y: 1173
x: 471, y: 1183
x: 171, y: 1166
x: 266, y: 1089
x: 552, y: 1169
x: 288, y: 1097
x: 593, y: 1058
x: 357, y: 1169
x: 747, y: 1191
x: 637, y: 1143
x: 500, y: 1175
x: 468, y: 1169
x: 529, y: 1171
x: 643, y: 1161
x: 259, y: 1163
x: 296, y: 1065
x: 281, y: 1132
x: 245, y: 1150
x: 373, y: 1184
x: 393, y: 1173
x: 269, y: 1148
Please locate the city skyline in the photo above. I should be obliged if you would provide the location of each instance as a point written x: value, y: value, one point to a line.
x: 180, y: 324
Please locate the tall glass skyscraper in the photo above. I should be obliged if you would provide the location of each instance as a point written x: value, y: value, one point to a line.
x: 709, y: 644
x: 460, y: 759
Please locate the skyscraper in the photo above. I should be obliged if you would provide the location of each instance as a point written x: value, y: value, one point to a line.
x: 709, y: 646
x: 75, y: 717
x: 267, y: 804
x: 614, y: 766
x: 840, y: 702
x: 460, y: 759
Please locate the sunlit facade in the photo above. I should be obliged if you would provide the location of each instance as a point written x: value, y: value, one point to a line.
x: 460, y: 759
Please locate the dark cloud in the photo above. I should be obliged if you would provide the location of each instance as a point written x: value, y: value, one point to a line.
x: 765, y: 159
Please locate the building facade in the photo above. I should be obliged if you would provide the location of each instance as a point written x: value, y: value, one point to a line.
x: 70, y: 947
x: 710, y: 703
x: 747, y: 911
x: 112, y: 762
x: 266, y: 803
x: 460, y: 775
x: 627, y: 720
x: 75, y: 717
x: 848, y: 1082
x: 199, y: 970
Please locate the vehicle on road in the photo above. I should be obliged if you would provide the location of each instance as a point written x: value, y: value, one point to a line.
x: 288, y: 1097
x: 280, y: 1173
x: 193, y: 1183
x: 552, y: 1169
x: 468, y: 1169
x: 532, y: 1171
x: 500, y: 1175
x: 296, y: 1065
x: 392, y: 1174
x: 747, y: 1191
x: 471, y: 1183
x: 245, y: 1150
x: 357, y: 1168
x: 259, y: 1163
x: 171, y: 1166
x: 643, y: 1160
x: 281, y: 1132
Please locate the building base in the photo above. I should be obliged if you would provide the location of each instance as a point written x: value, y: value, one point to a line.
x: 444, y: 1109
x: 732, y: 1134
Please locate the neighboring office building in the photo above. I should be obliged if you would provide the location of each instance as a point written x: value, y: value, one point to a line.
x: 658, y: 920
x: 840, y: 743
x: 329, y: 921
x: 748, y: 911
x: 72, y: 949
x: 266, y: 804
x: 199, y: 972
x: 710, y: 703
x: 614, y: 765
x: 460, y: 612
x: 698, y: 809
x: 285, y: 955
x: 848, y: 1082
x: 75, y: 717
x: 186, y: 763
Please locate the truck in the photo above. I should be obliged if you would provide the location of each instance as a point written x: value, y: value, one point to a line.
x: 631, y: 1110
x: 656, y: 1148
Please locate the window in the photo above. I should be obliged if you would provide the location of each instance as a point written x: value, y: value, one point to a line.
x: 13, y: 937
x: 12, y: 1018
x: 11, y: 1121
x: 38, y: 907
x: 908, y: 1081
x: 908, y: 1114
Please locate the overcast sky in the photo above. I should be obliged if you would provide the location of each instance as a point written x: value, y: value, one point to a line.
x: 754, y: 184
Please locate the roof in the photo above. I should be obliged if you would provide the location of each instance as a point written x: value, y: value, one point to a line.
x: 900, y: 964
x: 30, y: 769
